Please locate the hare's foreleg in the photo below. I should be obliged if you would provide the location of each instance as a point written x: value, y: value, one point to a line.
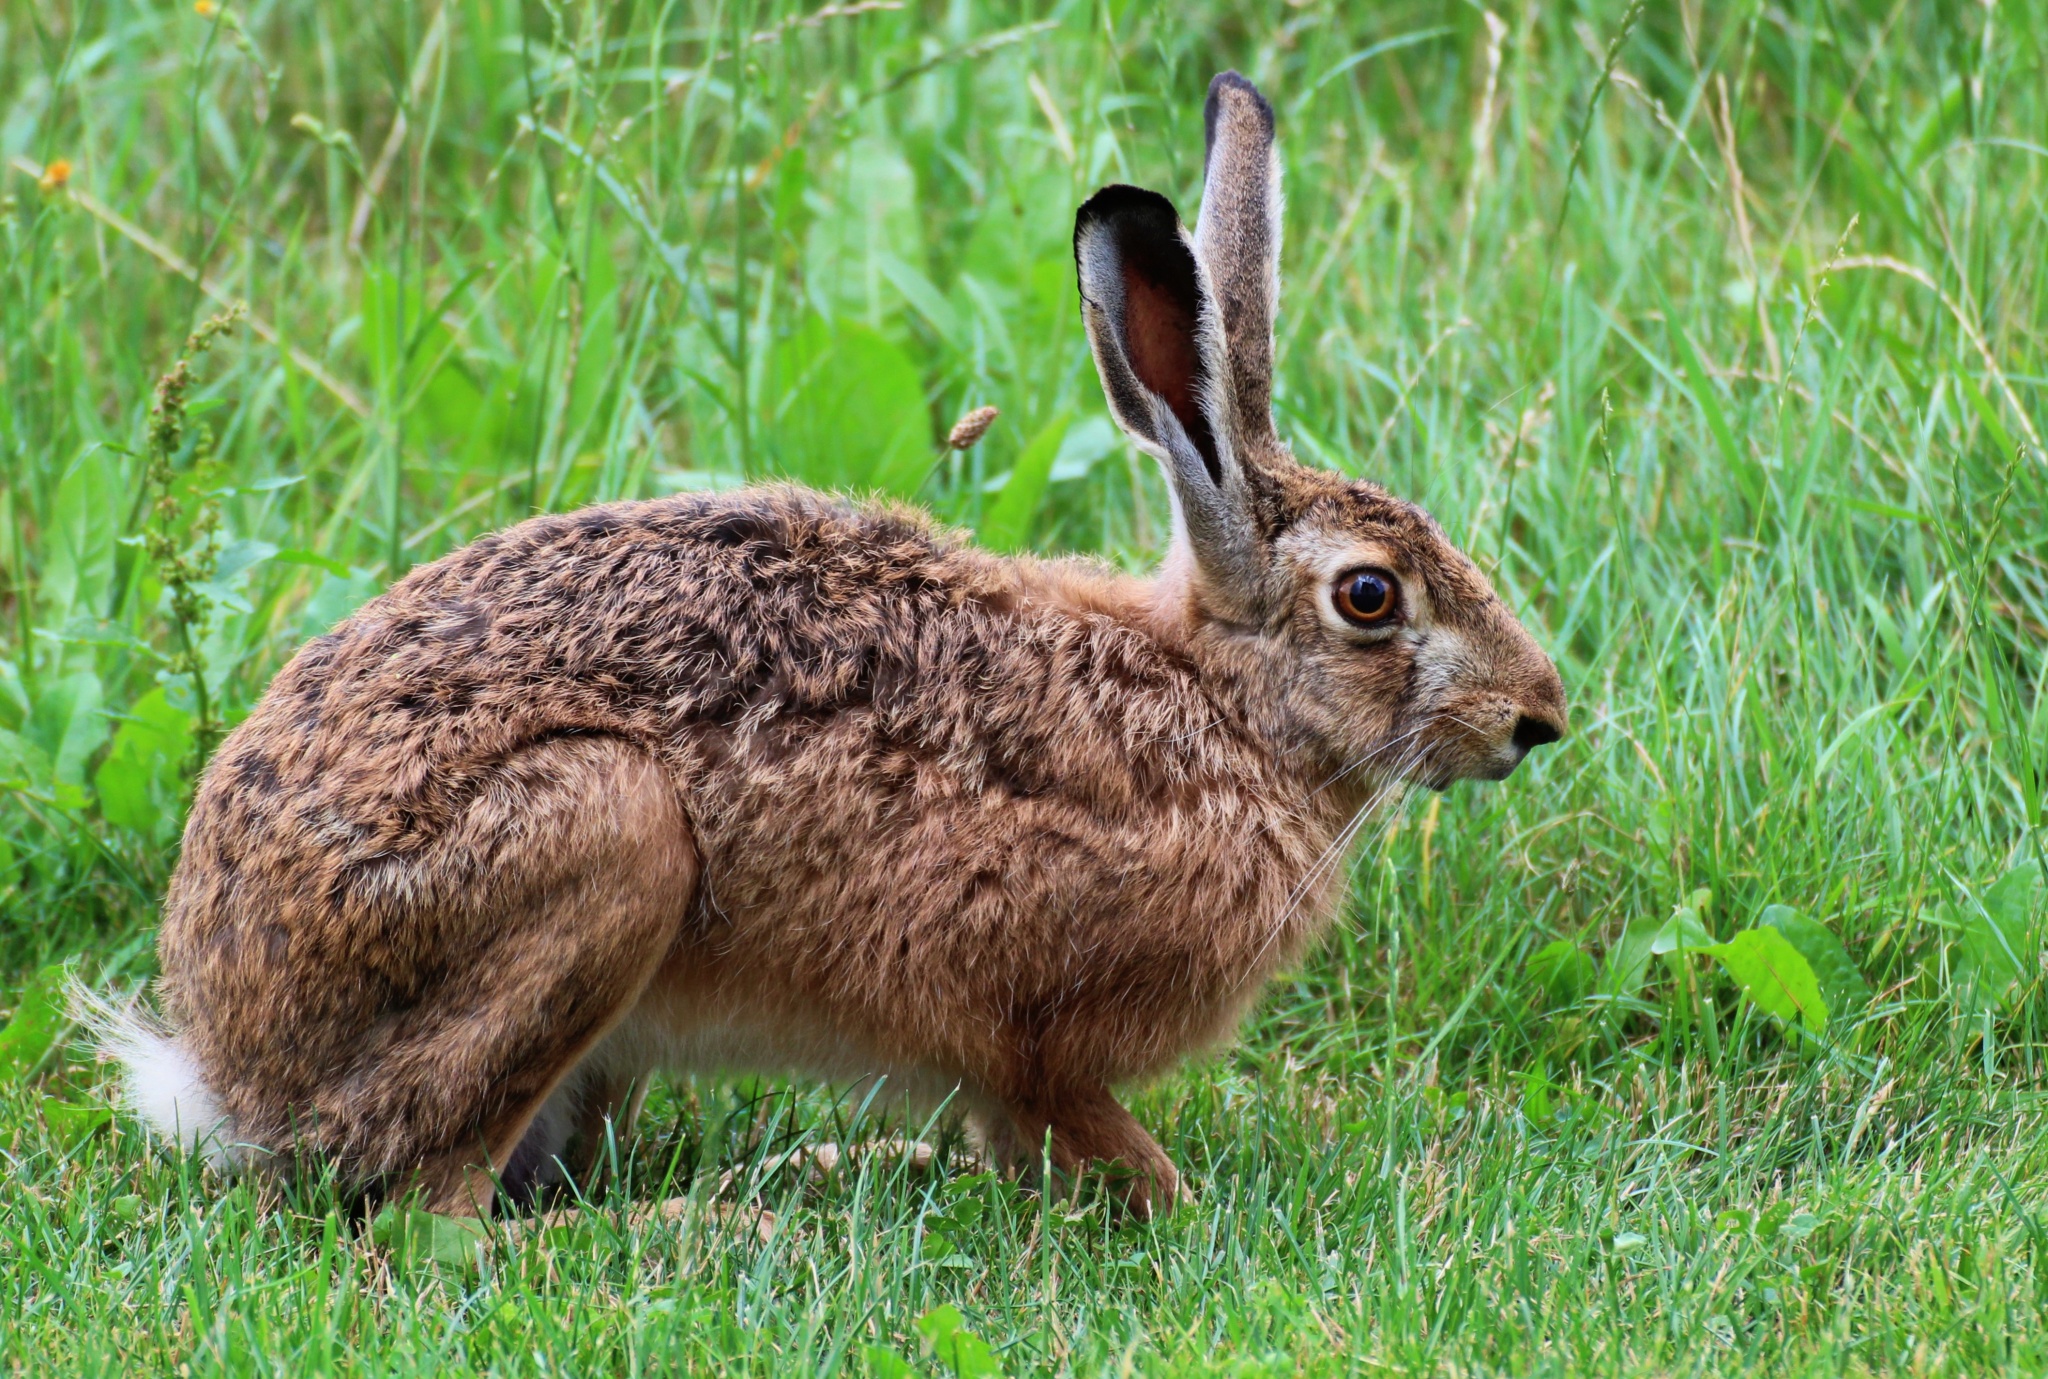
x: 584, y: 869
x: 1090, y: 1129
x: 566, y: 1142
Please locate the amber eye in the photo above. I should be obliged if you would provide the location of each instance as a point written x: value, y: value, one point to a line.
x: 1368, y: 598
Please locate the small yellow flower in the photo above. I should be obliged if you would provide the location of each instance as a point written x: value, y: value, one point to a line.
x: 205, y: 9
x: 55, y: 175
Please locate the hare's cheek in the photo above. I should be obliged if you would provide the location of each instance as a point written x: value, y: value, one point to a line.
x: 1444, y: 664
x: 1358, y: 693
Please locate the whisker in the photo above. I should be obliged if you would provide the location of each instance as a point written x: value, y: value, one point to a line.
x: 1331, y: 855
x: 1386, y: 746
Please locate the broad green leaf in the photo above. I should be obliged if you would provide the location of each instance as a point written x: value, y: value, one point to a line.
x: 335, y: 599
x: 1006, y: 525
x: 1628, y: 961
x: 1087, y: 442
x: 939, y: 1323
x: 1682, y: 932
x: 963, y: 1354
x: 958, y: 1215
x: 582, y: 1234
x: 2016, y: 897
x: 847, y: 411
x: 1737, y: 1219
x: 238, y: 557
x: 924, y: 298
x: 269, y: 485
x: 67, y: 724
x: 23, y: 765
x: 1841, y: 984
x: 2000, y: 942
x: 312, y: 558
x: 414, y: 1238
x: 885, y: 1363
x: 71, y: 1124
x: 13, y: 696
x: 1562, y: 973
x: 1786, y: 1220
x: 875, y: 215
x: 139, y: 783
x: 792, y: 179
x: 79, y: 546
x: 409, y: 350
x: 37, y: 1021
x: 1766, y: 965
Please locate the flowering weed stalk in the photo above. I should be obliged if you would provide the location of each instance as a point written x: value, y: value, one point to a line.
x: 186, y: 563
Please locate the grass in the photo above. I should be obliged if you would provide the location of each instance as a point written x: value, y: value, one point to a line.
x: 1717, y: 331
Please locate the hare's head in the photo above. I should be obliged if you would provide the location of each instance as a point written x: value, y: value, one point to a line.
x: 1387, y: 647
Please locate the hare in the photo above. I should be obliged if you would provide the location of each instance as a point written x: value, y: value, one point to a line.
x: 774, y: 781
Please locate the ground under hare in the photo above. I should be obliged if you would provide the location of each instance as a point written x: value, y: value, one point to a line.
x: 774, y: 781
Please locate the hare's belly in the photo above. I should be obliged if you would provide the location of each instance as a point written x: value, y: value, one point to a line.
x: 670, y: 1033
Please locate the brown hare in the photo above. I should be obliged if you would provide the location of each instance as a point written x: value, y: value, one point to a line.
x: 780, y: 782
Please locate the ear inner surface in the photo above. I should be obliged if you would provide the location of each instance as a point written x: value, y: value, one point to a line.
x: 1141, y: 284
x: 1160, y: 341
x: 1157, y: 340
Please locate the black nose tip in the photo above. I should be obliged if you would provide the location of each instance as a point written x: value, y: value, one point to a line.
x: 1535, y: 732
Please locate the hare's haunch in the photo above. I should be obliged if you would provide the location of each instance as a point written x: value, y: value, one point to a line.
x: 772, y: 781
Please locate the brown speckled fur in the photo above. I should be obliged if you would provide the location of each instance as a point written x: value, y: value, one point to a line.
x: 773, y: 780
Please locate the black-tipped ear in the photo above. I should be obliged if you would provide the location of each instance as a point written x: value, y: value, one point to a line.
x: 1238, y: 237
x: 1158, y: 344
x: 1142, y: 293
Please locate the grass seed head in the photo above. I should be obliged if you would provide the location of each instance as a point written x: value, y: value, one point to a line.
x: 971, y: 428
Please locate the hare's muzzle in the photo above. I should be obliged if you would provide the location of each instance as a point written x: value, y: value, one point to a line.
x: 1532, y: 729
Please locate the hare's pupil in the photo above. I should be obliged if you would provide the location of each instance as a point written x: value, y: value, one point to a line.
x: 1366, y: 597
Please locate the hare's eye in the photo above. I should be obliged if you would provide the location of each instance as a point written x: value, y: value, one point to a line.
x: 1367, y: 598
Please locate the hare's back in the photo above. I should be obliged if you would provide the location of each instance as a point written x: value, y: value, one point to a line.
x: 640, y: 620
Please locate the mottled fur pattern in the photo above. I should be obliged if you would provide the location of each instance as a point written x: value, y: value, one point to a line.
x: 776, y: 781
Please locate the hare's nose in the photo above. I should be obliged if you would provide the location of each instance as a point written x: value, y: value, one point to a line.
x: 1531, y: 731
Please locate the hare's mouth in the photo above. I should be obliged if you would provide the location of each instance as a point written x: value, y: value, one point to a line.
x: 1456, y: 751
x: 1448, y: 763
x: 1439, y: 778
x: 1436, y: 769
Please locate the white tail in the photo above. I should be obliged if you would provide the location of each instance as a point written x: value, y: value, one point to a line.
x: 162, y: 1084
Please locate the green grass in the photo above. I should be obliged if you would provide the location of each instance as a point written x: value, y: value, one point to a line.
x: 1732, y: 365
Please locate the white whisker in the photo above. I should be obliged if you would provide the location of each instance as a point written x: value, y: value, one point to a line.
x: 1386, y: 746
x: 1319, y: 870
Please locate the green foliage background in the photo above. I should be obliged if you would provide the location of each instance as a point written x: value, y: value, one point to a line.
x: 1715, y: 330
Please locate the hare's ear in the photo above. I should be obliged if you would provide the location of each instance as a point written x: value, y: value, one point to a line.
x: 1238, y: 239
x: 1158, y: 345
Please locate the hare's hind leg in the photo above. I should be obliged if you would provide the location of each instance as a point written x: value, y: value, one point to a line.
x: 1090, y: 1130
x: 581, y: 871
